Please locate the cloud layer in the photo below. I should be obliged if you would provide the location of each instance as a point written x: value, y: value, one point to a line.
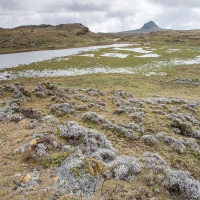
x: 102, y: 15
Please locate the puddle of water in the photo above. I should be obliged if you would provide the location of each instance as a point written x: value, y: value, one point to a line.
x: 60, y: 59
x: 137, y: 50
x: 172, y: 50
x: 87, y: 55
x: 150, y: 55
x: 156, y: 73
x: 187, y: 62
x: 16, y: 59
x: 115, y: 55
x: 69, y: 72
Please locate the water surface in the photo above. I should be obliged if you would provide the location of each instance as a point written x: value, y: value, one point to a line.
x: 16, y: 59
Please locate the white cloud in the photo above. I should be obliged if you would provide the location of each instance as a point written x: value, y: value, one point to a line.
x: 101, y: 15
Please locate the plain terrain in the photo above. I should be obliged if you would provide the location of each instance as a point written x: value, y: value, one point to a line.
x: 178, y: 82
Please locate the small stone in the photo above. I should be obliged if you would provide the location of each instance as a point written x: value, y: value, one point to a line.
x: 55, y: 179
x: 55, y: 144
x: 27, y: 178
x: 33, y: 142
x: 17, y: 175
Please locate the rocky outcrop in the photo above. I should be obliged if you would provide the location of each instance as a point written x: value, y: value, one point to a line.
x: 148, y: 27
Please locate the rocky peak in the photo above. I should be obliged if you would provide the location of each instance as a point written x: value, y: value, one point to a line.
x: 149, y: 24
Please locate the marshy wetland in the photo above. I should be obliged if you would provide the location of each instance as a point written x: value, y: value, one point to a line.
x: 145, y: 59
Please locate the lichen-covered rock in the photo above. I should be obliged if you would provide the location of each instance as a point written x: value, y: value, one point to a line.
x: 174, y: 143
x: 137, y: 104
x: 94, y: 117
x: 30, y: 181
x: 157, y: 99
x: 81, y: 97
x: 3, y: 115
x: 137, y: 116
x: 62, y: 109
x: 154, y: 162
x: 126, y: 132
x: 192, y: 144
x: 104, y: 155
x: 37, y: 148
x: 31, y: 113
x: 81, y: 108
x: 158, y: 111
x: 80, y: 175
x: 95, y: 145
x: 196, y: 134
x: 149, y: 140
x: 15, y: 106
x: 93, y: 93
x: 16, y: 117
x: 180, y: 183
x: 89, y: 140
x: 124, y: 108
x: 7, y: 114
x: 100, y: 119
x: 120, y: 93
x: 134, y: 127
x: 49, y: 119
x: 185, y: 128
x: 123, y: 167
x: 177, y: 182
x: 17, y: 94
x: 41, y: 94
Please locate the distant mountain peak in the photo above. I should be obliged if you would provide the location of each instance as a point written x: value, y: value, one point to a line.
x: 150, y: 24
x: 148, y: 27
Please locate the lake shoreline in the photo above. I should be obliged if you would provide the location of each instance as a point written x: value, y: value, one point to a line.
x: 57, y: 48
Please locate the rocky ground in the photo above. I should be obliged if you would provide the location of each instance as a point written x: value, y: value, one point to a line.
x: 62, y: 143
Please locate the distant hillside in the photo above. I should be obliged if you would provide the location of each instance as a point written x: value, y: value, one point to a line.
x: 148, y: 27
x: 27, y: 38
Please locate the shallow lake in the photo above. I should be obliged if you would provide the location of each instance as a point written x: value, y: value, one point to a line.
x: 15, y: 59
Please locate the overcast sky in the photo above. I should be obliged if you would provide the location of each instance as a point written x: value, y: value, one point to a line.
x: 102, y: 15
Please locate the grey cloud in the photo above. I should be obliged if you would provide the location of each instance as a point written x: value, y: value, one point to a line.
x: 178, y: 3
x: 184, y: 18
x: 9, y: 5
x: 120, y: 14
x: 88, y: 6
x: 54, y: 6
x: 102, y: 15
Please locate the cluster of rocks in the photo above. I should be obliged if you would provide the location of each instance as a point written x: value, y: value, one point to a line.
x: 195, y: 82
x: 179, y: 112
x: 149, y: 140
x: 92, y: 157
x: 62, y: 109
x: 38, y: 147
x: 177, y: 182
x: 179, y: 144
x: 128, y: 105
x: 95, y: 160
x: 29, y: 182
x: 130, y: 130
